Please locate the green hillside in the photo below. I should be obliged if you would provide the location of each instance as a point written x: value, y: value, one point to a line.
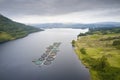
x: 10, y: 30
x: 99, y: 50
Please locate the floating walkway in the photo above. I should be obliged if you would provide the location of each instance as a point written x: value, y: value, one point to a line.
x: 49, y: 55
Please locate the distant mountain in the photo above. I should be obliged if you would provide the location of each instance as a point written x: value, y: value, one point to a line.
x: 78, y: 25
x: 111, y: 23
x: 10, y: 30
x: 58, y: 25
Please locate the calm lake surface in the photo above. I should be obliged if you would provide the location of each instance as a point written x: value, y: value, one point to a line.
x: 16, y: 57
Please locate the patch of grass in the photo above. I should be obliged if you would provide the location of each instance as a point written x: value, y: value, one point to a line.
x: 95, y: 50
x: 5, y: 37
x: 95, y: 77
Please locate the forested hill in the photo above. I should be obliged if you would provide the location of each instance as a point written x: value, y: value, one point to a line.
x: 10, y: 30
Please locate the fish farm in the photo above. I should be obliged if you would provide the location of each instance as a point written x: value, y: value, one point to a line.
x: 49, y: 55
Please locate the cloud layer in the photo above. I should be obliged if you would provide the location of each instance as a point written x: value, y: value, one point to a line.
x: 103, y: 8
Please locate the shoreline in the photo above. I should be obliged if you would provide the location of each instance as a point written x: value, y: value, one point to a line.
x: 98, y: 56
x: 19, y: 37
x: 85, y: 64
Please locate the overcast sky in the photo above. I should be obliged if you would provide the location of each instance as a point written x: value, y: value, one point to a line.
x: 65, y: 11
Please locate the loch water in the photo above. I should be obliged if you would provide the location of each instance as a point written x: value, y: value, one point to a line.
x: 16, y: 57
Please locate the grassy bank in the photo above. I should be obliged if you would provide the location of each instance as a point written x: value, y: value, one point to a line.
x: 100, y: 54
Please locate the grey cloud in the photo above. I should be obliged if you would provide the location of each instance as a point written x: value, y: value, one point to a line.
x: 106, y: 13
x: 54, y: 7
x: 112, y: 13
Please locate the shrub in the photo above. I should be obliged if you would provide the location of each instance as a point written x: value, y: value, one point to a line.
x: 116, y: 43
x: 83, y: 50
x: 73, y: 43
